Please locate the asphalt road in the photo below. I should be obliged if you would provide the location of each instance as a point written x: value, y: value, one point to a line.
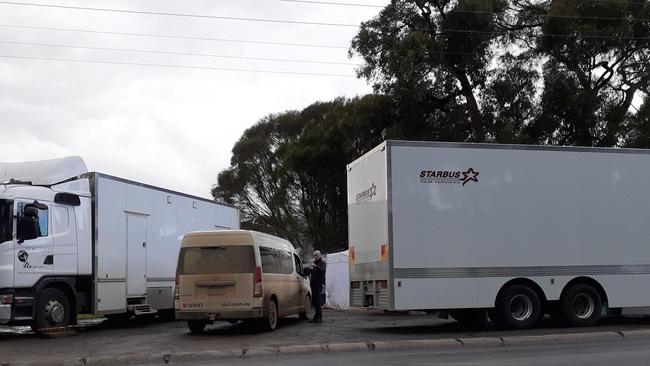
x: 622, y: 352
x: 99, y: 338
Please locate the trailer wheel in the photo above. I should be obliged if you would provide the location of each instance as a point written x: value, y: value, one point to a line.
x: 308, y: 312
x: 196, y: 326
x: 518, y: 307
x: 52, y: 310
x: 581, y: 305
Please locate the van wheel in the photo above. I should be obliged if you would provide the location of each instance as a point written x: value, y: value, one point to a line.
x: 52, y: 310
x: 196, y: 326
x: 309, y: 311
x: 581, y: 305
x: 271, y: 321
x: 517, y: 307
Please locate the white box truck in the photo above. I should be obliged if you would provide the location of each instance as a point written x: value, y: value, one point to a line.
x: 520, y: 230
x: 73, y: 241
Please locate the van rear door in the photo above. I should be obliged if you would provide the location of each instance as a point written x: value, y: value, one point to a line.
x: 216, y: 278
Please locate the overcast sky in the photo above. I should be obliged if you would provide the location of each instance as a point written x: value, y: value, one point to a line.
x: 171, y: 127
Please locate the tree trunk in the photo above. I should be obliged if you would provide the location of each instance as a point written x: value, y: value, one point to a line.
x: 475, y: 117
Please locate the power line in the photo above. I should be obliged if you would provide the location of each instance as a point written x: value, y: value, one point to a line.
x: 287, y: 21
x: 91, y: 31
x: 178, y: 53
x: 174, y: 66
x: 186, y: 15
x: 334, y: 3
x: 383, y: 6
x: 175, y: 36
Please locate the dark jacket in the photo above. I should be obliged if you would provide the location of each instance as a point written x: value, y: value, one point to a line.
x: 317, y: 272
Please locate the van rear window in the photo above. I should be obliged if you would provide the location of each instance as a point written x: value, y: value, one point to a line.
x: 217, y: 260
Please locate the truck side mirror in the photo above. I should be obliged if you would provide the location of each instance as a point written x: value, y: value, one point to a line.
x: 27, y: 227
x: 30, y: 212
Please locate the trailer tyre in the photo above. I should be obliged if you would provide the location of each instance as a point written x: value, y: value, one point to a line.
x: 517, y: 307
x: 581, y: 305
x: 196, y: 326
x: 52, y: 310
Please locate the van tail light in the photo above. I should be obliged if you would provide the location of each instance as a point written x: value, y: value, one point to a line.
x: 355, y: 284
x: 177, y: 295
x: 257, y: 282
x: 382, y: 284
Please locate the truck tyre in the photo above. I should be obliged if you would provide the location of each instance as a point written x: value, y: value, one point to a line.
x: 271, y: 321
x: 308, y: 312
x: 196, y: 326
x: 517, y: 307
x: 52, y: 310
x: 581, y: 305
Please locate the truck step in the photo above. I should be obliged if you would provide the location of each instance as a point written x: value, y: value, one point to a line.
x: 142, y: 309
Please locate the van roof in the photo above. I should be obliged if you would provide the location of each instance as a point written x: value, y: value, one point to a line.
x: 235, y: 237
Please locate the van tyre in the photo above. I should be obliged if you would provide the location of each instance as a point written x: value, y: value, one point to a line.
x: 581, y: 305
x: 518, y: 307
x: 52, y: 310
x: 196, y: 326
x: 271, y: 321
x: 308, y: 313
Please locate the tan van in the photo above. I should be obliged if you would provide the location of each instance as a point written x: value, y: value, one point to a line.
x: 237, y: 275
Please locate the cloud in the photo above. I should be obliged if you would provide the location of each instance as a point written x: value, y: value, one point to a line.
x: 169, y: 127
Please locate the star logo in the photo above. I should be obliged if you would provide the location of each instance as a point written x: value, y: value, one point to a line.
x: 469, y: 175
x: 23, y: 256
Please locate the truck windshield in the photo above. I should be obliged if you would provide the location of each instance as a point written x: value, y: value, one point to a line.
x: 6, y: 220
x: 216, y: 260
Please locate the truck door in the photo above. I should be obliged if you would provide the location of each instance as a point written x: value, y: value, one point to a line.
x: 136, y: 254
x: 34, y: 251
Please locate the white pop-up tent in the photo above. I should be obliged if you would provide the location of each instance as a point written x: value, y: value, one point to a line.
x: 337, y: 280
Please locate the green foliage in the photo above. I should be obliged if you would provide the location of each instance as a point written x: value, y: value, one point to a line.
x: 288, y: 175
x: 578, y: 68
x: 563, y: 72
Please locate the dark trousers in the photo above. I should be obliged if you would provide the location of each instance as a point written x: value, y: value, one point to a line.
x: 316, y: 301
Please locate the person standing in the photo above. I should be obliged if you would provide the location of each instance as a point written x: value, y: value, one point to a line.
x: 317, y: 284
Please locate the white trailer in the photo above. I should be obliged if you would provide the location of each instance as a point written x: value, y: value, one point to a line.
x: 519, y: 230
x: 73, y: 241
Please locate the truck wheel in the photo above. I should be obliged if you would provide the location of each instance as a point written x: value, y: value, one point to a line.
x: 196, y: 326
x: 52, y: 310
x: 308, y: 313
x: 581, y: 305
x: 271, y: 321
x: 518, y: 307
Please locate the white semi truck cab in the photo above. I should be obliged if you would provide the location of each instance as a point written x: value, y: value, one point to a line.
x: 78, y: 242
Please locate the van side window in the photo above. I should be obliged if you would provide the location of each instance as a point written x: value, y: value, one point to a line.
x: 298, y: 264
x: 268, y: 260
x: 286, y: 262
x: 276, y: 261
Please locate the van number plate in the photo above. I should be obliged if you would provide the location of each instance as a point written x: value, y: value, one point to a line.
x: 215, y: 291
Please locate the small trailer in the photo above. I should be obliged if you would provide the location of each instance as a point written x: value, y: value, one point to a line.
x: 514, y: 231
x: 73, y: 241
